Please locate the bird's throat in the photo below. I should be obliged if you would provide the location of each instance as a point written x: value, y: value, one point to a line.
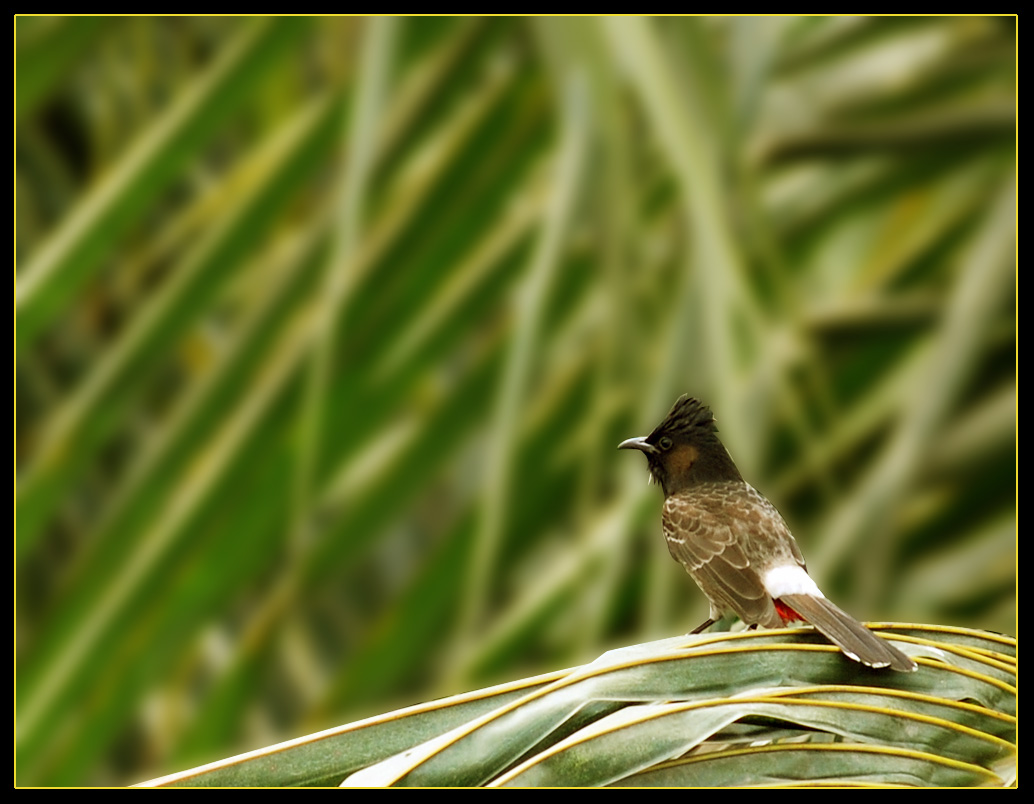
x: 688, y: 466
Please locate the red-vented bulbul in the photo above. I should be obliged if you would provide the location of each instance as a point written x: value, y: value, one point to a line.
x: 735, y: 544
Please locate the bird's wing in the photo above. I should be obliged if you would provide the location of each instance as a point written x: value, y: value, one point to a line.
x: 726, y: 538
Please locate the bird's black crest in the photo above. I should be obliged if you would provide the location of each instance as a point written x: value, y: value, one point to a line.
x: 686, y: 416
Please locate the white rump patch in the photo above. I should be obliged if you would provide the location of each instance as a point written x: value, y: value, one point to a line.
x: 790, y: 580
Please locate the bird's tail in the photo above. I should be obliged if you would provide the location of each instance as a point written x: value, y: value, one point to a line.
x: 854, y: 639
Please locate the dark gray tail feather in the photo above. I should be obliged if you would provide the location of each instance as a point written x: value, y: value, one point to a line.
x: 854, y: 639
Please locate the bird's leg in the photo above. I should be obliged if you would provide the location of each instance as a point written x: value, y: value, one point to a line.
x: 703, y: 626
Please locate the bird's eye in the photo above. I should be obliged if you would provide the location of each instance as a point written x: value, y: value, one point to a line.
x: 664, y: 442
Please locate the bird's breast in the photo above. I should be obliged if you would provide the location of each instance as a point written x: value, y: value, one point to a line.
x: 712, y: 517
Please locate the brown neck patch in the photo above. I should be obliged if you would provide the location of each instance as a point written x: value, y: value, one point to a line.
x: 681, y: 460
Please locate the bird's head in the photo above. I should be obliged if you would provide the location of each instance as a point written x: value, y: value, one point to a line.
x: 684, y: 450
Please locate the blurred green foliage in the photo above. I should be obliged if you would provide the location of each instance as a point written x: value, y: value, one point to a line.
x: 327, y: 330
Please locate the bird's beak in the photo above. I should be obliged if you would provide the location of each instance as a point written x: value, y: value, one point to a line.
x: 638, y: 443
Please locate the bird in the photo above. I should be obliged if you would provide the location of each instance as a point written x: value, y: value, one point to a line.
x: 735, y: 544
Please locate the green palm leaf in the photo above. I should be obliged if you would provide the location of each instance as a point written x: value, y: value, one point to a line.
x: 717, y: 710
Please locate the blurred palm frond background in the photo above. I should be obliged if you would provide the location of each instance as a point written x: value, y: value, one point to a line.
x: 327, y: 330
